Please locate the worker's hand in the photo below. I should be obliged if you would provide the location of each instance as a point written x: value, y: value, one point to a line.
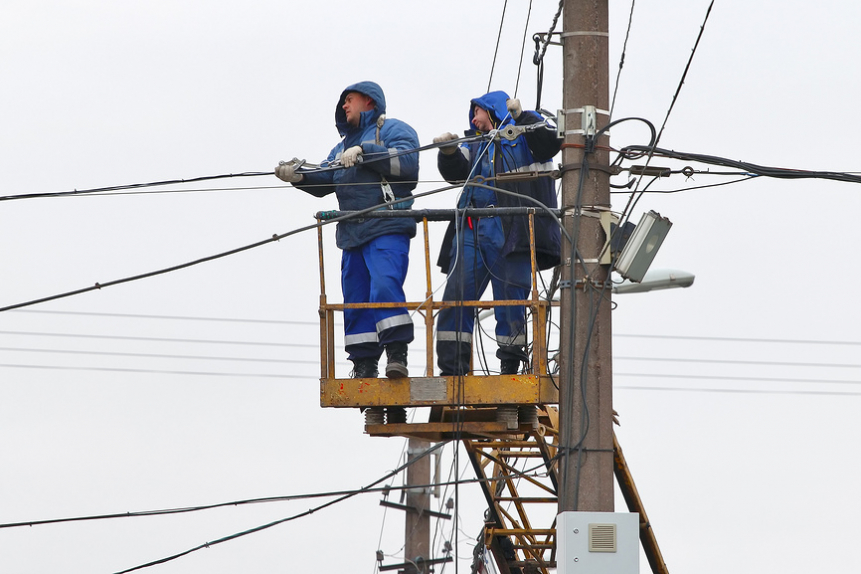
x: 446, y: 137
x: 514, y: 107
x: 351, y: 156
x: 286, y: 171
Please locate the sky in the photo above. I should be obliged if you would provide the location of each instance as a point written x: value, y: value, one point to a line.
x: 738, y: 397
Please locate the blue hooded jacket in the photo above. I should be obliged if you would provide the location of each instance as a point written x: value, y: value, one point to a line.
x: 532, y: 151
x: 354, y: 186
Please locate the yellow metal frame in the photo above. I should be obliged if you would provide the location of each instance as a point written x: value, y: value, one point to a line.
x: 430, y: 390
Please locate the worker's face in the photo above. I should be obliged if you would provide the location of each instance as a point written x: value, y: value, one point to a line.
x: 481, y: 120
x: 354, y: 104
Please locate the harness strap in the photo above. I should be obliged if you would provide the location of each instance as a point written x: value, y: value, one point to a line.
x: 388, y: 194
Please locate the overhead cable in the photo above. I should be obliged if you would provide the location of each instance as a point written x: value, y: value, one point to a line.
x: 622, y: 60
x: 274, y: 238
x: 496, y: 50
x: 262, y: 527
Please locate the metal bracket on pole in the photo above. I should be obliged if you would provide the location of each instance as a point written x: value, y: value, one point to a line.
x: 589, y: 120
x: 608, y: 219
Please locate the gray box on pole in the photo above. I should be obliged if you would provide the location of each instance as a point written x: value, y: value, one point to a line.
x: 598, y: 543
x: 642, y: 246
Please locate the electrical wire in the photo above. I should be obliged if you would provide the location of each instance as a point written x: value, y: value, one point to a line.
x: 667, y: 191
x: 522, y: 49
x: 742, y: 391
x: 622, y: 60
x: 131, y: 186
x: 539, y: 55
x: 162, y: 356
x: 738, y: 362
x: 734, y: 378
x: 368, y: 158
x: 172, y: 317
x: 160, y: 371
x: 684, y: 74
x: 262, y: 527
x: 159, y: 339
x: 738, y: 339
x: 209, y: 258
x: 760, y: 170
x: 496, y: 50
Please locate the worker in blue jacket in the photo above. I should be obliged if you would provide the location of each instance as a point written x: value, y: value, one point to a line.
x: 495, y: 250
x: 377, y: 168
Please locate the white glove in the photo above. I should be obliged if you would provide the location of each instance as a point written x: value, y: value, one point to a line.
x: 446, y: 137
x: 351, y: 156
x: 286, y: 171
x: 514, y: 107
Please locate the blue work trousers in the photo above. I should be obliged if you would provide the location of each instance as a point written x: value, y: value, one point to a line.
x: 375, y: 273
x: 477, y: 263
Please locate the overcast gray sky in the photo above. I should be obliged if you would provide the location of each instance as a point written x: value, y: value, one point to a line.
x: 106, y: 407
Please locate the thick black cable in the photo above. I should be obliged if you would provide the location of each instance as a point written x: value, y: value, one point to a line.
x: 539, y: 54
x: 767, y: 171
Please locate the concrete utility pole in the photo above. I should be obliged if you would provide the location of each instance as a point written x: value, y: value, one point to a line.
x: 585, y: 402
x: 417, y: 524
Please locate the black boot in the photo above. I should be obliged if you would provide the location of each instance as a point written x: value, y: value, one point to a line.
x: 509, y: 366
x: 396, y: 367
x: 365, y: 368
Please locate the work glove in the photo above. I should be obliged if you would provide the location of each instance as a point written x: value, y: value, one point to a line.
x: 514, y: 108
x: 286, y: 171
x: 446, y: 137
x: 351, y: 156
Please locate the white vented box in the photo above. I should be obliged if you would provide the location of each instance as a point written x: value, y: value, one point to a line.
x: 598, y: 543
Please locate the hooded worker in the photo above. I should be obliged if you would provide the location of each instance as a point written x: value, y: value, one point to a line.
x: 495, y: 250
x: 380, y: 164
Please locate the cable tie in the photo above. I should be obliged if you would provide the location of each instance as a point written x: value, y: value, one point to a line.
x: 585, y: 33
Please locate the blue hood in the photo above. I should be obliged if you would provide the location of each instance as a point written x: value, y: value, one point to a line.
x: 372, y: 90
x: 494, y: 103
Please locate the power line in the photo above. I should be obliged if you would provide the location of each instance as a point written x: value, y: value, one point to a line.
x: 739, y: 362
x: 244, y: 502
x: 740, y: 378
x: 739, y: 391
x: 159, y: 339
x: 496, y: 50
x: 294, y: 517
x: 274, y: 238
x: 739, y: 339
x: 685, y: 73
x: 177, y: 317
x: 131, y: 186
x: 160, y: 356
x: 159, y: 371
x: 622, y: 60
